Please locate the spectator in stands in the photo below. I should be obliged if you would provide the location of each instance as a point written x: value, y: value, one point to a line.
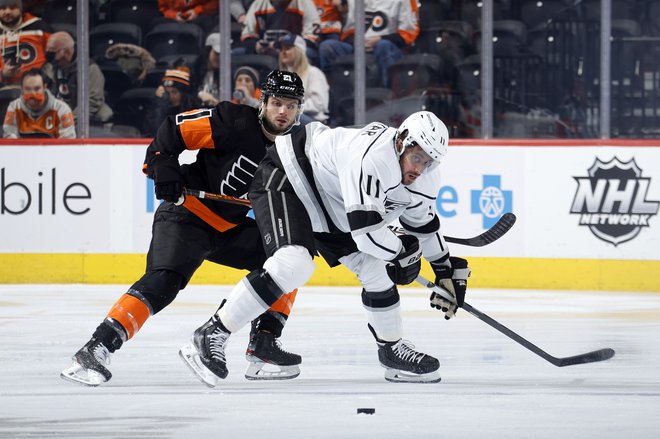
x: 23, y: 41
x: 246, y: 87
x: 331, y: 13
x: 394, y: 28
x: 209, y: 90
x: 62, y: 71
x: 203, y: 13
x: 293, y: 58
x: 269, y: 20
x: 37, y: 113
x: 237, y: 9
x: 246, y: 84
x: 174, y: 96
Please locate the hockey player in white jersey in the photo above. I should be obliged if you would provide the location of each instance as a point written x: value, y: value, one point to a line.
x: 334, y: 192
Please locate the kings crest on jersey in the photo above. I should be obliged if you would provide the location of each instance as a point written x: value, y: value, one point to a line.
x: 230, y: 145
x: 349, y: 180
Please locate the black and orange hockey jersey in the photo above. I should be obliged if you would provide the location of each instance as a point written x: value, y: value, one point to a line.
x: 230, y: 145
x: 24, y: 46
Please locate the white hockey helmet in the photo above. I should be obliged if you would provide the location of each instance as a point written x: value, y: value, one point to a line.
x: 428, y: 131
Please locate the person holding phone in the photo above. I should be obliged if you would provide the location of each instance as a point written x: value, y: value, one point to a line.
x: 23, y: 42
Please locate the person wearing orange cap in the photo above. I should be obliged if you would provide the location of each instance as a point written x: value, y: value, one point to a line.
x: 174, y: 96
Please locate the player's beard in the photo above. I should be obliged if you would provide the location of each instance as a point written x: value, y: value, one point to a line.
x: 273, y: 129
x: 11, y: 22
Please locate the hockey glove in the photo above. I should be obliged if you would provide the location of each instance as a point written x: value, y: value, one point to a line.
x: 454, y: 281
x: 405, y: 267
x: 168, y: 181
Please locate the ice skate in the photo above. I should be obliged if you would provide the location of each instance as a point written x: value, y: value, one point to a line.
x: 403, y: 364
x: 268, y: 361
x: 205, y: 355
x: 88, y: 366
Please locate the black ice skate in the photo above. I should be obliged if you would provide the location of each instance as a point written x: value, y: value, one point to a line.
x: 89, y: 363
x: 268, y: 361
x: 205, y: 355
x: 403, y: 364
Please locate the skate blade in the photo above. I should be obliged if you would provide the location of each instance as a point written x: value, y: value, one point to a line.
x: 79, y: 375
x: 258, y: 370
x: 190, y: 357
x: 400, y: 376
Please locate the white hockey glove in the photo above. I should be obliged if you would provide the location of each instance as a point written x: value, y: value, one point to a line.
x: 454, y: 281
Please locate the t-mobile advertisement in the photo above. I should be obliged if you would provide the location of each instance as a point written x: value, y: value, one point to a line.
x: 585, y: 202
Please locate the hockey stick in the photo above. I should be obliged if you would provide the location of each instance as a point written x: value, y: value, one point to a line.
x: 500, y: 228
x: 589, y: 357
x: 216, y: 197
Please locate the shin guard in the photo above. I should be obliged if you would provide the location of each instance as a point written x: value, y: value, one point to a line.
x: 384, y: 313
x: 130, y: 312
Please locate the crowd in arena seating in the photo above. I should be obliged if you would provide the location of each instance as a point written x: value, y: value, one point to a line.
x: 151, y: 58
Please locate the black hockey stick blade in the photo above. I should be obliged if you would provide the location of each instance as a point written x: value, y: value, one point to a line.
x: 500, y: 228
x: 589, y: 357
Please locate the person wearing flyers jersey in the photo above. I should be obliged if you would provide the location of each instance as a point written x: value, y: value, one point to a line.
x: 231, y: 140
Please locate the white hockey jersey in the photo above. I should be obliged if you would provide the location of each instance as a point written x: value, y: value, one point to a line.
x: 357, y: 188
x: 386, y: 17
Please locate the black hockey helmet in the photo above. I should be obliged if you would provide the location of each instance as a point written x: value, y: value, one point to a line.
x: 283, y: 84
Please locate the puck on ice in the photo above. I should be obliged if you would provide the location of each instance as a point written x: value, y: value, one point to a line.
x: 366, y: 411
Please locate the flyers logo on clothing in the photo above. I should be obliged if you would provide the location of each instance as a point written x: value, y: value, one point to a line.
x: 376, y: 20
x: 27, y: 53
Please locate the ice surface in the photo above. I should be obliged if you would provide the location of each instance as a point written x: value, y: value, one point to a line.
x: 491, y: 387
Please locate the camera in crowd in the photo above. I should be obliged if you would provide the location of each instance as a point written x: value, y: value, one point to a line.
x: 238, y: 95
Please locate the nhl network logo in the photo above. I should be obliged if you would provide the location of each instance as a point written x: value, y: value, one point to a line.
x: 612, y: 202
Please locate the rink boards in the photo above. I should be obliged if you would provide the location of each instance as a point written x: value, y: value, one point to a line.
x: 587, y: 214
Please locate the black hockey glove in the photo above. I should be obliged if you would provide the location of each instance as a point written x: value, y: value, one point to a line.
x: 454, y: 281
x: 168, y: 181
x: 405, y: 267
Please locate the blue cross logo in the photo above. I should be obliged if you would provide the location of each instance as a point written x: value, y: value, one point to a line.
x: 491, y: 201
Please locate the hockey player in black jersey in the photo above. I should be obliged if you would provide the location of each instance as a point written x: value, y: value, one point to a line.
x: 231, y: 140
x: 335, y: 191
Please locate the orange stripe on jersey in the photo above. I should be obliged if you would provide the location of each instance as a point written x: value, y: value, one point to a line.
x: 409, y: 36
x: 207, y: 215
x: 10, y: 118
x: 348, y: 33
x: 265, y: 11
x: 285, y: 303
x: 196, y: 133
x: 130, y: 312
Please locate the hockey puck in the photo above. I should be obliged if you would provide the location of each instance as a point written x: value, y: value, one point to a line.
x: 366, y: 411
